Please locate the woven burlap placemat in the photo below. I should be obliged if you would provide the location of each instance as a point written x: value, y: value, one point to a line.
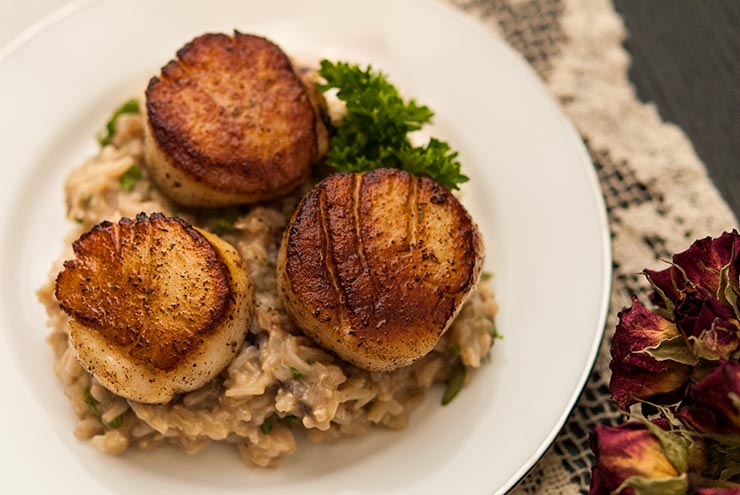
x: 658, y: 196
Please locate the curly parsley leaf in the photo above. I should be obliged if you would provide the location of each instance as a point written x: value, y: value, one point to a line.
x: 435, y: 156
x: 374, y: 131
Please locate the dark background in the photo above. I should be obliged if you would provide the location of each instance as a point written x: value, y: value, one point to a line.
x: 686, y: 59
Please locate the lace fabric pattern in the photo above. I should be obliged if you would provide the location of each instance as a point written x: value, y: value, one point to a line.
x: 658, y: 195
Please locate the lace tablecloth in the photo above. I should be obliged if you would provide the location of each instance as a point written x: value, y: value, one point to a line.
x: 658, y: 196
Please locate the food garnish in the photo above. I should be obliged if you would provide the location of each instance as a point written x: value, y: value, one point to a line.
x: 455, y: 349
x: 223, y: 222
x: 92, y: 404
x: 374, y: 132
x: 106, y: 135
x: 455, y: 382
x: 130, y: 178
x: 296, y: 374
x: 267, y: 425
x: 292, y: 421
x: 493, y: 332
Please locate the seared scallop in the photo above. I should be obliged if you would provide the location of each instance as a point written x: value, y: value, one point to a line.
x: 156, y: 306
x: 375, y: 266
x: 230, y: 122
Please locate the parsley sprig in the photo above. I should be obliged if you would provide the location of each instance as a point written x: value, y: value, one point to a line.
x: 374, y: 131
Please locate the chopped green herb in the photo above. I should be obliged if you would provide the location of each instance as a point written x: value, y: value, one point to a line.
x: 130, y: 178
x: 455, y: 349
x: 493, y: 332
x: 267, y: 425
x: 106, y: 136
x: 486, y: 276
x: 116, y: 422
x: 79, y: 219
x: 95, y: 410
x: 224, y: 224
x: 454, y: 383
x: 266, y: 263
x: 296, y: 374
x: 92, y: 403
x: 292, y: 421
x: 374, y: 131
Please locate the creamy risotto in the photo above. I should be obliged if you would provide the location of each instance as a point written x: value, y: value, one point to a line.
x: 280, y: 381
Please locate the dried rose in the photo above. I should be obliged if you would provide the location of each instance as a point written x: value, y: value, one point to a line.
x: 693, y: 335
x: 649, y: 357
x: 709, y: 266
x: 710, y: 327
x: 638, y: 458
x: 713, y: 404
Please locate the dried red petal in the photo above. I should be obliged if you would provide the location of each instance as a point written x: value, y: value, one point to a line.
x: 709, y: 326
x: 705, y: 258
x: 635, y: 374
x: 698, y: 269
x: 712, y: 404
x: 669, y: 281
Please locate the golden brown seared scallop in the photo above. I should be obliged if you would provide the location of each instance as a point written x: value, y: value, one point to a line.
x: 157, y: 306
x: 375, y: 266
x: 230, y: 122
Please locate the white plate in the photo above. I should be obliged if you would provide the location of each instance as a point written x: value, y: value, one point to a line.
x: 533, y: 192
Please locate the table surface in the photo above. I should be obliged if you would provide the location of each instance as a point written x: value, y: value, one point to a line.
x: 686, y: 59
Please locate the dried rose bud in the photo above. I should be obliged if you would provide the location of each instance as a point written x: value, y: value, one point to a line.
x: 699, y: 269
x: 713, y: 404
x: 709, y: 326
x: 630, y: 454
x: 636, y: 373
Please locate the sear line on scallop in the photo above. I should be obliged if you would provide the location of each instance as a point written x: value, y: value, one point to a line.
x: 157, y: 307
x: 375, y: 266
